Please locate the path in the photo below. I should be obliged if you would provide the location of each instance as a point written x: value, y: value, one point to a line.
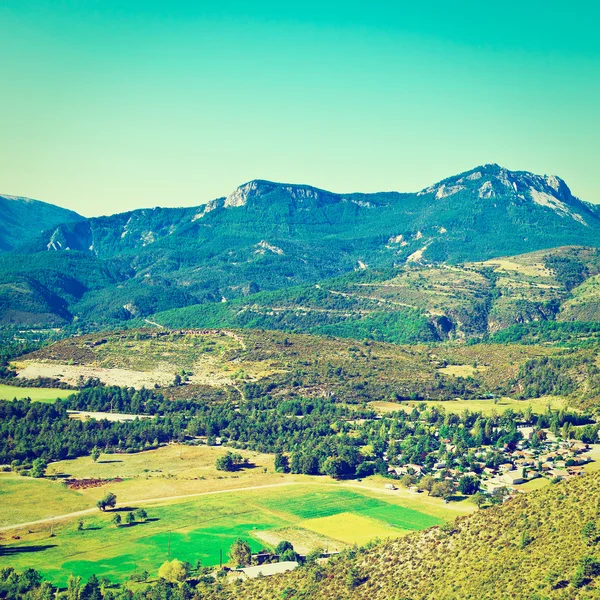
x: 154, y: 323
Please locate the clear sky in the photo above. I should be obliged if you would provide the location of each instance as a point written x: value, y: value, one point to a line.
x: 108, y: 105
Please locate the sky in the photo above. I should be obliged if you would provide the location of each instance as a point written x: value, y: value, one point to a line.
x: 110, y: 105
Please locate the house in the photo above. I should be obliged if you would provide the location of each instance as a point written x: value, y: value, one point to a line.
x: 559, y: 473
x: 269, y: 569
x: 417, y: 469
x: 513, y: 477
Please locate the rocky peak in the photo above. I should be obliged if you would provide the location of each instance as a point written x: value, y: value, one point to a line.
x: 258, y: 188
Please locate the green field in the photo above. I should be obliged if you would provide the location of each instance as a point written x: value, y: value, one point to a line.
x: 199, y: 529
x: 9, y: 392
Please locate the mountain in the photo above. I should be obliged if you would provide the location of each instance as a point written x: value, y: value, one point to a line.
x: 23, y: 219
x: 534, y: 546
x: 269, y: 236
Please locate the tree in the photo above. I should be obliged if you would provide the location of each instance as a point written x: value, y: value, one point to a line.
x: 442, y: 489
x: 353, y: 578
x: 283, y: 546
x: 408, y: 480
x: 288, y: 555
x: 141, y: 514
x: 80, y: 525
x: 590, y: 533
x: 95, y: 454
x: 116, y: 520
x: 336, y: 467
x: 479, y: 499
x: 109, y: 501
x: 282, y: 463
x: 174, y: 571
x: 73, y: 587
x: 427, y: 483
x: 231, y: 462
x: 468, y: 485
x: 177, y: 380
x: 240, y: 553
x: 38, y: 468
x: 129, y: 518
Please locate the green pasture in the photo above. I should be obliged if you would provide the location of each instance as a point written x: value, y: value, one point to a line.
x: 195, y: 530
x: 9, y: 392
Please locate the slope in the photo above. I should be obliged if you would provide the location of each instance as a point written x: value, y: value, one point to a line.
x: 421, y: 302
x: 23, y: 219
x: 534, y: 546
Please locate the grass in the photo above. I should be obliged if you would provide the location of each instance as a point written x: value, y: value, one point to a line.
x: 486, y: 407
x: 199, y: 529
x: 167, y: 471
x: 23, y: 499
x: 351, y: 528
x: 9, y: 392
x: 534, y: 484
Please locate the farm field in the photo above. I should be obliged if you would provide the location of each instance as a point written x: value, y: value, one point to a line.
x: 171, y: 470
x: 9, y: 392
x: 486, y: 407
x: 23, y: 499
x: 198, y: 529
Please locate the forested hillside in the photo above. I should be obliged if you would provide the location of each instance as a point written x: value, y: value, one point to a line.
x: 24, y: 219
x: 421, y: 303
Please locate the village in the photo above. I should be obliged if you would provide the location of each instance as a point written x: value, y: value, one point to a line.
x: 499, y: 472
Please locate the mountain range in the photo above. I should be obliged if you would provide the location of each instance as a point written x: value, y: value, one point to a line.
x: 269, y: 237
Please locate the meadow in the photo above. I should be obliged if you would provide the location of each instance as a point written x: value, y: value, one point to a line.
x: 37, y: 394
x: 200, y: 528
x: 486, y: 407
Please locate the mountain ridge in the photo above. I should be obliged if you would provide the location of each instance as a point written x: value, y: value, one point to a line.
x: 266, y: 236
x: 23, y: 219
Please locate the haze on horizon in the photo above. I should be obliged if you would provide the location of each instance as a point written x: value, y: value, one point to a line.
x: 123, y: 104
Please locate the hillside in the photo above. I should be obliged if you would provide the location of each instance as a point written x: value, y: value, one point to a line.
x: 224, y: 364
x: 416, y: 303
x: 534, y: 546
x: 268, y: 236
x: 23, y: 219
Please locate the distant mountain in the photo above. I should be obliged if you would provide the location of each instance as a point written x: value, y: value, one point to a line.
x: 23, y: 219
x: 268, y: 236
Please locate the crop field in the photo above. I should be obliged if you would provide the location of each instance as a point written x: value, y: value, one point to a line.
x: 200, y: 528
x: 535, y: 484
x: 351, y: 528
x: 486, y: 407
x: 9, y: 392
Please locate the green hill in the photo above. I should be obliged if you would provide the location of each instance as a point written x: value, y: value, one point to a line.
x: 23, y: 219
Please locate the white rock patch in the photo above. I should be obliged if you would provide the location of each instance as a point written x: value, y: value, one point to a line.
x: 262, y: 245
x: 486, y: 190
x: 445, y: 191
x: 559, y: 207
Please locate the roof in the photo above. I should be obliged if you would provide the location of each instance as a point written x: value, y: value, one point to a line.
x: 270, y: 569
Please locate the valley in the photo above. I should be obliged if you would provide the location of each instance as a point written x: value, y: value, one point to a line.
x: 347, y: 386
